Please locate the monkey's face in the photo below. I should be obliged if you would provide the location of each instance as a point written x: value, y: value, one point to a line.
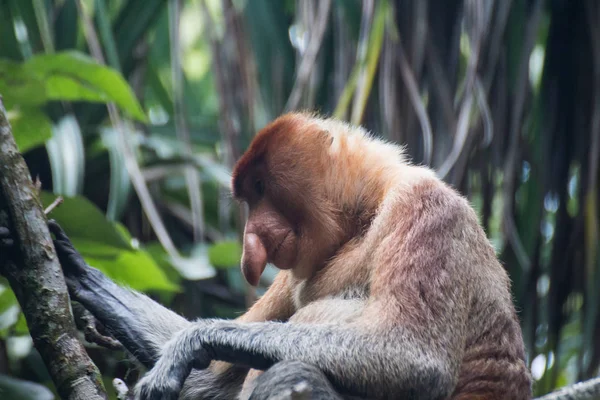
x: 290, y: 224
x: 275, y: 220
x: 268, y: 237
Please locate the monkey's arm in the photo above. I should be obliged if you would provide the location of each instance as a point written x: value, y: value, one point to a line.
x: 139, y: 323
x: 357, y: 361
x: 143, y: 327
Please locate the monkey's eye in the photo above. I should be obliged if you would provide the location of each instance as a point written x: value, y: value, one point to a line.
x: 259, y: 187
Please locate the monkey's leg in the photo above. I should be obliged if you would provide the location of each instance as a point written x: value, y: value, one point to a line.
x: 289, y: 380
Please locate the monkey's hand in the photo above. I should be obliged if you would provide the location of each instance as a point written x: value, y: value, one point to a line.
x: 73, y: 265
x: 70, y: 259
x: 179, y: 355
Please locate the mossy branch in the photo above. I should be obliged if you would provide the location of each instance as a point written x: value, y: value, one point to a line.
x: 36, y: 278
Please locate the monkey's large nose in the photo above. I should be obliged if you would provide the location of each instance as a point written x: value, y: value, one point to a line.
x: 254, y: 258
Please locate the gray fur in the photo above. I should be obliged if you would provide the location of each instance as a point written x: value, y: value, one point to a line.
x: 290, y: 380
x: 587, y: 390
x: 144, y: 326
x: 351, y: 359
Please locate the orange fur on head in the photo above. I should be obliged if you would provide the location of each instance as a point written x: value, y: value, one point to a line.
x: 320, y: 177
x: 286, y: 158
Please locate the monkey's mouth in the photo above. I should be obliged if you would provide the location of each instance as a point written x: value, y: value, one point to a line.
x: 273, y: 254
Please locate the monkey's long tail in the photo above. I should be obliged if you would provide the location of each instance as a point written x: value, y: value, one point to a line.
x: 586, y: 390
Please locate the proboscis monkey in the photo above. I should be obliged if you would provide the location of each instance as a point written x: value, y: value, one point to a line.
x: 388, y: 289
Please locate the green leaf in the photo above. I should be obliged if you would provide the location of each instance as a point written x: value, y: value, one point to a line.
x: 162, y: 259
x: 107, y: 246
x: 82, y: 219
x: 31, y: 127
x: 7, y: 298
x: 72, y: 75
x: 71, y: 88
x: 136, y: 269
x: 226, y: 254
x: 195, y: 267
x: 20, y: 87
x: 9, y: 310
x: 20, y: 328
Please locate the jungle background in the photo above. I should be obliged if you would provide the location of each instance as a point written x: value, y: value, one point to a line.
x: 135, y: 111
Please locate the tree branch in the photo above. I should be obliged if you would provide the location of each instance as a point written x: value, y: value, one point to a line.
x: 36, y: 278
x: 587, y: 390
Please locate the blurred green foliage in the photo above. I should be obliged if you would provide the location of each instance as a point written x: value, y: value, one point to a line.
x: 135, y: 111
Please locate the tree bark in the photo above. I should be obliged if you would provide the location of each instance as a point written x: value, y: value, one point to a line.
x: 36, y: 278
